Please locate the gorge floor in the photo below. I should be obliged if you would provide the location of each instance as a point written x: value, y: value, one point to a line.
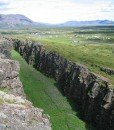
x: 42, y: 91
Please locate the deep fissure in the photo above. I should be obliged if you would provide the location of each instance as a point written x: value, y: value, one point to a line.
x: 92, y: 93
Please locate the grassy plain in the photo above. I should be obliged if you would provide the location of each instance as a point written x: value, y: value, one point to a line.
x: 90, y: 46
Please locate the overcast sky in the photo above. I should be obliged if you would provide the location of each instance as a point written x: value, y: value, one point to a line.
x: 57, y: 11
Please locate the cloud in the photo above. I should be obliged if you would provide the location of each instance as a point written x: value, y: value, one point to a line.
x: 109, y: 7
x: 56, y: 11
x: 3, y: 4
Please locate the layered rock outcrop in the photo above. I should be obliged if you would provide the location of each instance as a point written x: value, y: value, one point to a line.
x: 107, y: 70
x: 91, y: 92
x: 16, y: 113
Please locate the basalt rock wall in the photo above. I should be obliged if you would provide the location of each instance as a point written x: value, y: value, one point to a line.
x: 91, y: 92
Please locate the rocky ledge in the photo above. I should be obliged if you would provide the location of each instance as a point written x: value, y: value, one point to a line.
x: 16, y: 113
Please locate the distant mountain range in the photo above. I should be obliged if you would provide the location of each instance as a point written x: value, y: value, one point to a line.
x: 17, y: 20
x: 87, y: 23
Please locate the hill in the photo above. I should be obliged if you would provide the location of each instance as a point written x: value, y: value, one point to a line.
x: 16, y: 20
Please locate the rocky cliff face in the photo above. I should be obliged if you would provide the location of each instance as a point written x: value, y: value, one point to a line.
x: 91, y: 92
x: 16, y: 113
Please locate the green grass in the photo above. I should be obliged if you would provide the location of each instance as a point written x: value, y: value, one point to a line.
x: 90, y: 55
x: 90, y: 46
x: 42, y: 92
